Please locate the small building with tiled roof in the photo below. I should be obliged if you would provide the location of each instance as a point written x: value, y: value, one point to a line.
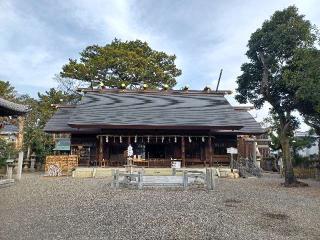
x: 9, y: 132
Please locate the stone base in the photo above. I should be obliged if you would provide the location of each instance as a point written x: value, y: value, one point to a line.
x: 233, y: 175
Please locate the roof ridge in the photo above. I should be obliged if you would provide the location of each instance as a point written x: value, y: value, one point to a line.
x: 155, y: 91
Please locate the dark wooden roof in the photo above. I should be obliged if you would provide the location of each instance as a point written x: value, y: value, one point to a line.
x: 250, y: 125
x: 153, y: 110
x: 59, y: 122
x: 8, y: 108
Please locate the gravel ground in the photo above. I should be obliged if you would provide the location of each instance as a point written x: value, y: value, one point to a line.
x: 66, y: 208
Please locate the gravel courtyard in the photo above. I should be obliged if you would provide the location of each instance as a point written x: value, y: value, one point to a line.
x: 67, y: 208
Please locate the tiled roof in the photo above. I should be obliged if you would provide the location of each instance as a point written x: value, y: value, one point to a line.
x: 8, y: 108
x: 9, y: 129
x: 153, y: 110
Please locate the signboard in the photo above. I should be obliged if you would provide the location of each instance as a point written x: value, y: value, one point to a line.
x: 62, y: 144
x: 232, y: 150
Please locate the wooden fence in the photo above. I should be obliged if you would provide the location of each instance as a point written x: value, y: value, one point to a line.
x: 305, y: 172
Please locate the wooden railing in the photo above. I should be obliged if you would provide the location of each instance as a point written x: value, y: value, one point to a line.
x: 164, y: 162
x: 221, y: 159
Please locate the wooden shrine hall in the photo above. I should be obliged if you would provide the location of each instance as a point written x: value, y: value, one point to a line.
x: 193, y: 126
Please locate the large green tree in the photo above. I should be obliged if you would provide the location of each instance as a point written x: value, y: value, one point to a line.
x: 303, y: 76
x: 7, y: 91
x: 271, y: 49
x: 35, y: 139
x: 7, y: 149
x: 131, y: 62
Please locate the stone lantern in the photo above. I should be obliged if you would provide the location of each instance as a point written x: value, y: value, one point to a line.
x: 10, y: 165
x: 32, y: 161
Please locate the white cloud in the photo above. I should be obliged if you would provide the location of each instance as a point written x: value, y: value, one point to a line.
x: 37, y: 37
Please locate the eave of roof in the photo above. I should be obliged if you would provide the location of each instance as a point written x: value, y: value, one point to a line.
x: 8, y: 108
x: 110, y: 126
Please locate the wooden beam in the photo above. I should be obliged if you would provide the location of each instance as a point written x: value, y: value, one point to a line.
x: 183, y: 152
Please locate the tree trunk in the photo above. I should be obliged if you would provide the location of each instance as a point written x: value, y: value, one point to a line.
x: 318, y: 164
x: 287, y: 161
x: 319, y: 150
x: 28, y: 152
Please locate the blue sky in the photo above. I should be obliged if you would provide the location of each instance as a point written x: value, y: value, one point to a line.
x: 38, y: 36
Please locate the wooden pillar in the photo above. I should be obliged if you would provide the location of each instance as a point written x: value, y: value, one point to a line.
x: 183, y: 152
x: 19, y: 142
x: 101, y: 149
x: 19, y: 145
x: 210, y: 151
x: 254, y: 151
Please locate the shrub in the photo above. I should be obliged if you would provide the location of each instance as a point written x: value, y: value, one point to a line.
x: 7, y: 150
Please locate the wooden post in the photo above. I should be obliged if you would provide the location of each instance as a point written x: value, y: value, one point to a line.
x: 254, y: 151
x: 210, y: 150
x: 19, y: 144
x: 183, y: 152
x: 100, y: 150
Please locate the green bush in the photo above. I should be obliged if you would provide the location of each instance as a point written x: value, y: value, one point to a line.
x: 299, y: 161
x: 6, y: 150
